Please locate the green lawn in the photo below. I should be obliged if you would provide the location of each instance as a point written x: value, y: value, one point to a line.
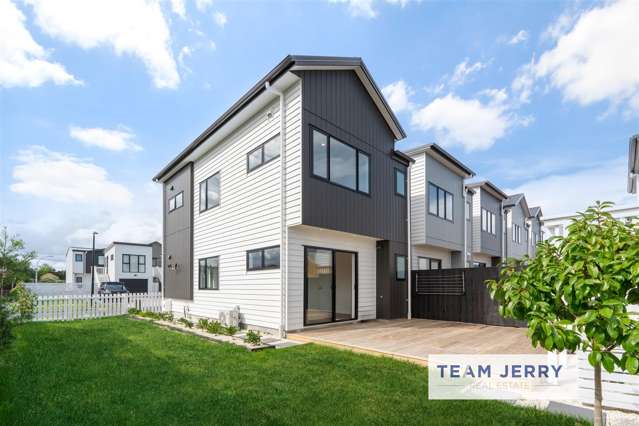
x: 120, y: 371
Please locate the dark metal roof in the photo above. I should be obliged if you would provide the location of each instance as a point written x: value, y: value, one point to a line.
x: 535, y: 211
x: 280, y: 69
x: 512, y: 200
x: 501, y: 194
x: 441, y: 151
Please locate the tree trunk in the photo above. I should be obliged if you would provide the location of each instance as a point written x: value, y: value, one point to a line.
x: 598, y: 415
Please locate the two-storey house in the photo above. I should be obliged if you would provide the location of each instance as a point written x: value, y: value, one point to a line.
x: 438, y: 207
x: 536, y: 233
x: 516, y: 235
x: 487, y: 219
x: 292, y: 204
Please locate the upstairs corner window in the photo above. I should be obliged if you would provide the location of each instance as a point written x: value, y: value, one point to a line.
x: 78, y: 257
x: 264, y: 153
x: 264, y: 258
x: 440, y: 202
x: 210, y: 192
x: 340, y: 163
x: 400, y: 183
x: 133, y: 263
x: 176, y: 201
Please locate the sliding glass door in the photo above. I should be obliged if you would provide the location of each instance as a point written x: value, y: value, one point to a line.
x: 330, y: 286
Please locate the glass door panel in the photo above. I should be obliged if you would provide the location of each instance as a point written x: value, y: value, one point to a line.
x: 319, y: 286
x: 344, y: 286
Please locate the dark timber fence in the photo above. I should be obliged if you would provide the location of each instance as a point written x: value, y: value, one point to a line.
x: 458, y: 294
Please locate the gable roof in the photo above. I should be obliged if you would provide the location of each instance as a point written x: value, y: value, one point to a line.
x: 441, y: 152
x: 535, y: 212
x: 515, y: 199
x: 293, y: 63
x: 490, y: 188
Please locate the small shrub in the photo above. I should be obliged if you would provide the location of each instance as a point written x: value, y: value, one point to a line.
x: 134, y: 311
x: 186, y: 322
x: 152, y: 315
x: 24, y: 302
x: 166, y: 316
x: 203, y: 324
x: 230, y: 330
x: 215, y: 327
x: 6, y: 334
x: 253, y: 337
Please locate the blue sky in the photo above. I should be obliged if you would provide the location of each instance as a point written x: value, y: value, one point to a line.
x: 538, y: 97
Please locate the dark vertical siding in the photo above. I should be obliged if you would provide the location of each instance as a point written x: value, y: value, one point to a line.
x: 392, y: 294
x: 178, y: 237
x: 337, y: 103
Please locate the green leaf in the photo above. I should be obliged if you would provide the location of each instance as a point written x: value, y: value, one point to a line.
x: 548, y: 343
x: 608, y: 362
x: 594, y: 358
x: 606, y: 312
x: 632, y: 364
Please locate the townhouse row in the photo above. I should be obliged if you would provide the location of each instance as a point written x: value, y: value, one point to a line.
x: 295, y: 206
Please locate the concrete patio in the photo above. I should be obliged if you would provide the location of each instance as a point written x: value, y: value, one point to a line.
x: 413, y: 340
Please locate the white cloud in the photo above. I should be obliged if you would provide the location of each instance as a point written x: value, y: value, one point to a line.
x: 202, y: 5
x: 65, y: 178
x: 559, y: 27
x: 220, y: 19
x: 568, y: 193
x: 398, y: 96
x: 134, y: 27
x: 185, y: 52
x: 23, y: 62
x: 464, y: 70
x: 178, y: 7
x: 521, y: 36
x: 366, y: 9
x: 524, y: 82
x: 119, y: 139
x: 597, y: 59
x: 466, y: 122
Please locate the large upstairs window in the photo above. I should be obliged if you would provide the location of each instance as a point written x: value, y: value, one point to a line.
x: 440, y: 202
x: 400, y: 183
x: 340, y: 163
x: 488, y: 222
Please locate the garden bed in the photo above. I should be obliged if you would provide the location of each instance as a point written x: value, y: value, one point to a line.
x: 238, y: 338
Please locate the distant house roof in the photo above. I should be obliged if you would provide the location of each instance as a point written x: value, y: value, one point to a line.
x: 293, y: 63
x: 535, y: 212
x: 515, y: 199
x: 490, y: 187
x: 442, y: 153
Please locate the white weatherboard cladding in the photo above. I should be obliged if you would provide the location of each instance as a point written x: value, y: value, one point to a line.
x: 365, y: 247
x: 248, y: 216
x: 418, y: 200
x: 432, y: 252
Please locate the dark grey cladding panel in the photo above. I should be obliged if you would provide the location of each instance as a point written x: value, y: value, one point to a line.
x: 337, y: 103
x: 178, y: 237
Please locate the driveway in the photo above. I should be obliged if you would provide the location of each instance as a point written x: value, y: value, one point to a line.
x: 415, y: 339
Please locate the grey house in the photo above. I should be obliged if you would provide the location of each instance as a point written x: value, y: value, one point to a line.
x: 516, y: 236
x: 438, y: 203
x: 536, y: 233
x: 487, y: 224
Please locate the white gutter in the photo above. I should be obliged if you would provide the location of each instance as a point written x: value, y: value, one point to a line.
x: 410, y: 243
x: 283, y: 236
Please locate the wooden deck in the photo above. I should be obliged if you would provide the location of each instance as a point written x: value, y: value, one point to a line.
x: 415, y: 339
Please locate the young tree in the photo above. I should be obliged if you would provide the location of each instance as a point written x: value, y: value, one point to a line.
x: 576, y: 293
x: 15, y: 260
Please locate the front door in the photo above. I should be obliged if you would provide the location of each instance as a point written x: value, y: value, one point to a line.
x: 330, y: 286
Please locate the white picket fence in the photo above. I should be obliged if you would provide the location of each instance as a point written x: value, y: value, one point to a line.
x: 620, y: 390
x: 75, y: 307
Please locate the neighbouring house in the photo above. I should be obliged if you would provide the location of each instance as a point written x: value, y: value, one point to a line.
x: 439, y: 206
x: 137, y: 266
x: 558, y: 225
x: 633, y: 164
x: 488, y: 219
x: 293, y: 204
x: 516, y: 235
x: 535, y: 231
